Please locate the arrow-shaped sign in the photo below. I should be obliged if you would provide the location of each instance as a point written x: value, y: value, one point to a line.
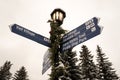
x: 81, y: 38
x: 46, y: 61
x: 30, y: 35
x: 80, y: 34
x: 81, y: 29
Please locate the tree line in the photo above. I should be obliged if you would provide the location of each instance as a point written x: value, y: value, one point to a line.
x: 84, y: 68
x: 5, y: 73
x: 71, y: 67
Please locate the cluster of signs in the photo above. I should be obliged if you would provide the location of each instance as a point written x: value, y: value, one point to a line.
x: 78, y: 35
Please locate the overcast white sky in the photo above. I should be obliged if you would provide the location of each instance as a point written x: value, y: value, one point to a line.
x: 33, y: 15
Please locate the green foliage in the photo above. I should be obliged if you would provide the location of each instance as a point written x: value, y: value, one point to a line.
x: 71, y: 70
x: 55, y: 37
x: 21, y: 74
x: 5, y: 73
x: 105, y: 70
x: 56, y: 73
x: 87, y: 66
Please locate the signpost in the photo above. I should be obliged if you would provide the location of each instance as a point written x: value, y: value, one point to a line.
x: 78, y: 35
x: 30, y: 34
x: 37, y: 38
x: 81, y: 29
x: 81, y: 38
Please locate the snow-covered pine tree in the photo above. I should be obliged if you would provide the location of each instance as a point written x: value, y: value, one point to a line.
x: 21, y: 74
x: 5, y: 73
x: 87, y: 66
x: 55, y: 37
x: 105, y: 70
x: 71, y: 70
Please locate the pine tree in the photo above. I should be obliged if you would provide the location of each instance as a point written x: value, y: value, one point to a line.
x: 105, y: 70
x: 87, y: 66
x: 55, y: 37
x: 71, y: 70
x: 21, y: 74
x: 5, y: 73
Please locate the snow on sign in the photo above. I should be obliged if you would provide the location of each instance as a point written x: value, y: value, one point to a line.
x: 30, y: 34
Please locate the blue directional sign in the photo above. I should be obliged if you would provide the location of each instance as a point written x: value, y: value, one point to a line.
x: 46, y: 61
x: 30, y: 35
x: 94, y: 31
x: 81, y: 29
